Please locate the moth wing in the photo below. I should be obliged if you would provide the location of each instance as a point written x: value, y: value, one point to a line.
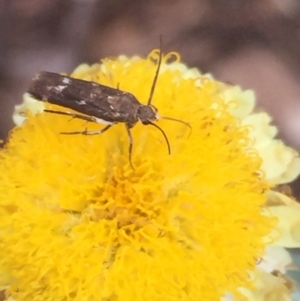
x: 93, y: 99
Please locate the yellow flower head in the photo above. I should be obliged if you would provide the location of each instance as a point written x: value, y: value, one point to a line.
x: 78, y: 223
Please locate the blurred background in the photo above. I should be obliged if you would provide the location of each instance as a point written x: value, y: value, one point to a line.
x: 253, y: 43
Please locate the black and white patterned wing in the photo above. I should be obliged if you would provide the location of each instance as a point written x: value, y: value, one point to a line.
x: 105, y: 103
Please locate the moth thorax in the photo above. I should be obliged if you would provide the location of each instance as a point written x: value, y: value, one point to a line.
x: 147, y: 114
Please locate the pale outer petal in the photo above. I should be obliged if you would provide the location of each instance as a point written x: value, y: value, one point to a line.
x: 268, y: 288
x: 261, y: 131
x: 29, y: 104
x: 245, y: 100
x: 281, y: 164
x: 288, y: 213
x: 276, y: 258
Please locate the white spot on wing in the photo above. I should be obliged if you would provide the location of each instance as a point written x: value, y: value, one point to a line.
x: 59, y: 88
x: 101, y: 121
x: 81, y: 102
x: 66, y: 81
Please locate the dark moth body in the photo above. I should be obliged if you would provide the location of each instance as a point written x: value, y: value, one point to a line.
x: 107, y: 105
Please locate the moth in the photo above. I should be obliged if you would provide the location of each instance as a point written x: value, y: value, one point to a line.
x: 98, y: 103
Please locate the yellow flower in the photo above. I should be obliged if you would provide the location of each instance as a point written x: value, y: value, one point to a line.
x: 78, y: 223
x: 281, y: 164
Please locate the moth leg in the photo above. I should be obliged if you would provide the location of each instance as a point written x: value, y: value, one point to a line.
x: 130, y: 144
x: 86, y: 132
x: 73, y: 115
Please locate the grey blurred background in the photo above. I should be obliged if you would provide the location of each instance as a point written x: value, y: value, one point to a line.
x: 253, y: 43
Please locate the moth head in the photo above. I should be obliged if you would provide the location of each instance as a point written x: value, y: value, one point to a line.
x: 147, y: 114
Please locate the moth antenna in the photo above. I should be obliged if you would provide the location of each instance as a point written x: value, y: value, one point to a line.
x: 164, y: 134
x: 177, y: 120
x: 157, y: 72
